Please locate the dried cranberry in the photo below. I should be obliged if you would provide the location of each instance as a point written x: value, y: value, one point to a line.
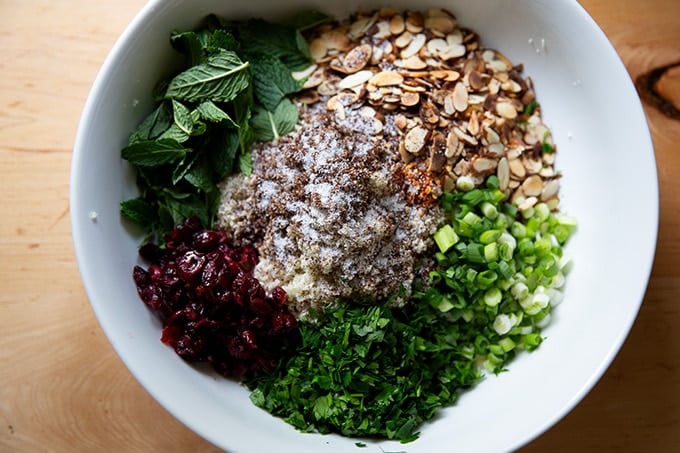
x: 212, y: 307
x: 190, y: 265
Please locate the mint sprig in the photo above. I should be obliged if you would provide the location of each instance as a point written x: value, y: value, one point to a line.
x: 231, y: 92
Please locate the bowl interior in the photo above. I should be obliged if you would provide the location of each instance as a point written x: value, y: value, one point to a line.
x: 603, y: 144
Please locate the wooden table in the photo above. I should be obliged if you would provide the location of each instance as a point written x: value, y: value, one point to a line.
x: 62, y: 387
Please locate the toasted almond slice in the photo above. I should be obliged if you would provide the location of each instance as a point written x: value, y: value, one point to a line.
x: 409, y: 99
x: 452, y: 142
x: 532, y: 166
x: 442, y: 24
x: 355, y: 79
x: 465, y: 137
x: 357, y: 58
x: 455, y: 37
x: 414, y: 22
x: 528, y: 202
x: 506, y: 110
x: 328, y: 87
x: 437, y: 150
x: 397, y: 24
x: 400, y: 121
x: 436, y: 46
x: 533, y: 185
x: 318, y: 49
x: 415, y: 139
x: 517, y: 169
x: 404, y: 39
x: 453, y: 51
x: 447, y: 75
x: 412, y: 63
x: 377, y: 55
x: 315, y: 79
x: 307, y: 72
x: 550, y: 189
x: 386, y: 78
x: 497, y: 148
x: 503, y: 173
x: 414, y: 46
x: 413, y: 88
x: 429, y: 113
x: 383, y: 30
x: 359, y: 26
x: 335, y: 39
x: 460, y: 97
x: 483, y: 164
x: 473, y: 124
x: 308, y: 97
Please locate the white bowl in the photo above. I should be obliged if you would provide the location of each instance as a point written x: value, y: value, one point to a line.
x: 609, y: 184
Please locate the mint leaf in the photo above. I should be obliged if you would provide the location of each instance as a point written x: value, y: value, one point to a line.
x: 182, y: 117
x: 140, y: 211
x: 154, y: 153
x: 286, y: 43
x: 219, y: 79
x: 209, y: 111
x: 245, y: 163
x: 197, y: 45
x: 272, y: 81
x: 223, y: 148
x: 153, y: 125
x: 272, y: 125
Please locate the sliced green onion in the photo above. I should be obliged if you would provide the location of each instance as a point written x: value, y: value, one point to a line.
x: 445, y: 237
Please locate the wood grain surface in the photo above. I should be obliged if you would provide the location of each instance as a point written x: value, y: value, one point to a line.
x: 62, y: 387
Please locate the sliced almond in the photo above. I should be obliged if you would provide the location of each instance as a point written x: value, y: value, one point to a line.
x: 506, y: 110
x: 527, y: 203
x: 446, y: 75
x: 497, y: 149
x: 355, y: 79
x: 452, y: 142
x: 503, y: 173
x: 414, y: 46
x: 429, y: 113
x: 409, y: 99
x: 383, y: 32
x: 414, y: 22
x: 441, y: 24
x: 453, y: 51
x: 404, y: 39
x: 400, y: 121
x: 460, y: 97
x: 318, y: 49
x: 533, y: 185
x: 465, y: 137
x: 386, y: 78
x: 455, y: 37
x: 336, y: 39
x: 437, y: 150
x: 315, y: 79
x: 483, y: 164
x: 359, y: 27
x: 436, y: 46
x: 357, y: 58
x: 397, y: 24
x: 415, y: 139
x: 412, y: 63
x: 517, y: 168
x: 532, y: 166
x: 473, y: 124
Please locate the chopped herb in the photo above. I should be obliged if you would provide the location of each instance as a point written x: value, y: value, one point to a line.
x: 372, y: 370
